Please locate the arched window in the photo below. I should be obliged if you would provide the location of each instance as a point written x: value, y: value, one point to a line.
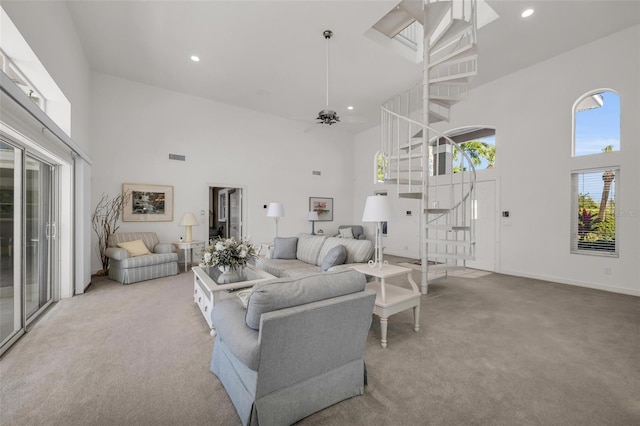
x: 596, y: 118
x: 381, y: 162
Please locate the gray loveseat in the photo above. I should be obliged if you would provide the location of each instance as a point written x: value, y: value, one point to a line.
x: 297, y: 348
x: 162, y: 261
x: 310, y: 252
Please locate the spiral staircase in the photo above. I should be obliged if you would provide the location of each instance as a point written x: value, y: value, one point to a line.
x: 423, y: 163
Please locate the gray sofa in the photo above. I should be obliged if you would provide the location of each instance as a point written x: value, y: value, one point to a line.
x: 297, y: 348
x: 161, y: 262
x: 309, y: 254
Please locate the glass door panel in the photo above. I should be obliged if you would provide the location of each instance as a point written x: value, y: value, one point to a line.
x: 10, y: 313
x: 38, y: 230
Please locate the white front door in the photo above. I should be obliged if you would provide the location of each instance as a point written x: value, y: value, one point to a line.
x: 235, y: 209
x: 486, y: 215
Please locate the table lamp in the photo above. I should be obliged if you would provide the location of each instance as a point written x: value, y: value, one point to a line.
x: 276, y: 211
x: 312, y: 217
x: 377, y: 210
x: 188, y: 220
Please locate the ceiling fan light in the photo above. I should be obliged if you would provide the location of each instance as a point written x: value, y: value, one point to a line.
x: 327, y: 116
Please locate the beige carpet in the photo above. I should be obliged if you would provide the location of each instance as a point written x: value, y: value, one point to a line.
x: 493, y: 350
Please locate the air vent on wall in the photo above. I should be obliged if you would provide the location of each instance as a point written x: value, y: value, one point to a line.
x: 177, y: 157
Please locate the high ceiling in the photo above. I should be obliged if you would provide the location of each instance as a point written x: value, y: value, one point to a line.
x: 269, y: 55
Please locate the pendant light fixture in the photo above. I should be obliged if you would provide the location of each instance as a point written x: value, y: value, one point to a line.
x: 327, y: 116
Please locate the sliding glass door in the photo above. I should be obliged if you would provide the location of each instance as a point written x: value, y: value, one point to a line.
x: 10, y: 300
x: 27, y: 234
x: 39, y: 233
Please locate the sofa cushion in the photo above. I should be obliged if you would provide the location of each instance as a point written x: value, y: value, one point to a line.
x: 150, y: 239
x: 346, y: 233
x: 358, y: 251
x: 284, y: 248
x: 283, y: 293
x: 335, y: 256
x: 279, y: 267
x: 309, y: 248
x: 148, y: 260
x: 135, y: 248
x: 227, y: 318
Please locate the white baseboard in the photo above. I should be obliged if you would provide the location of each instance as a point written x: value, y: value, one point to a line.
x: 612, y: 289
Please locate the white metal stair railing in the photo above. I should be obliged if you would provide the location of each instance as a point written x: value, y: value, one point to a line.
x: 419, y: 160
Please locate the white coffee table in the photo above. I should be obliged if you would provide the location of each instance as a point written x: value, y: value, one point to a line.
x: 209, y: 288
x: 391, y: 299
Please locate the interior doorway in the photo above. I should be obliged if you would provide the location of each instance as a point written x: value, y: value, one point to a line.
x: 225, y: 212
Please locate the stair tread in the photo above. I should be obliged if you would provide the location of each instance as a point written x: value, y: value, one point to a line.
x: 456, y: 28
x: 436, y: 11
x: 445, y: 267
x: 450, y: 256
x: 449, y: 242
x: 447, y: 227
x: 404, y: 181
x: 455, y: 56
x: 394, y: 22
x: 414, y: 195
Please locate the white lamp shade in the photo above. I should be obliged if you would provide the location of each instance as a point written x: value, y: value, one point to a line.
x: 275, y: 210
x: 189, y: 219
x: 376, y: 209
x: 313, y: 216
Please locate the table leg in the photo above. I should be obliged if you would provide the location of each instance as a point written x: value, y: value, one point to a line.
x: 383, y: 332
x: 185, y: 260
x: 416, y: 318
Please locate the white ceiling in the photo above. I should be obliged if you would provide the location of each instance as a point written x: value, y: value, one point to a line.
x: 269, y: 55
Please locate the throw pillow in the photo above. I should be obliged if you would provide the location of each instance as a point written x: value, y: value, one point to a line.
x: 335, y: 256
x: 284, y: 248
x: 135, y: 248
x: 346, y: 233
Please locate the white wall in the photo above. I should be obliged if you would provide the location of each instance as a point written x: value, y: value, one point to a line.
x: 532, y: 112
x: 134, y: 127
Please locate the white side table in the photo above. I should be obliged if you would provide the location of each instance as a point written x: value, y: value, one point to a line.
x: 187, y: 246
x: 391, y: 299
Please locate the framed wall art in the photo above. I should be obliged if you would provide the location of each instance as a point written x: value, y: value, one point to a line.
x: 322, y: 206
x: 147, y: 203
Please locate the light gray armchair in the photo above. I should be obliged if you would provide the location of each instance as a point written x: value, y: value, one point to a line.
x: 297, y: 348
x: 162, y: 261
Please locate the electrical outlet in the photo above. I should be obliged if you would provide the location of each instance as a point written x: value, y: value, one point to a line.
x: 607, y: 271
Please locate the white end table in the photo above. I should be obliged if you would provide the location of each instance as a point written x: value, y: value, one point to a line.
x: 391, y: 299
x: 187, y: 246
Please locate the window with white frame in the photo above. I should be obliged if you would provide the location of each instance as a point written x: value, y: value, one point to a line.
x: 14, y: 73
x: 593, y: 223
x: 596, y: 118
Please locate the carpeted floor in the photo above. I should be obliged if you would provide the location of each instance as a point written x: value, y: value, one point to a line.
x: 495, y: 350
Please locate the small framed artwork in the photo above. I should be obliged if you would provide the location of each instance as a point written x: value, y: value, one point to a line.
x: 322, y: 206
x: 223, y: 207
x: 147, y: 203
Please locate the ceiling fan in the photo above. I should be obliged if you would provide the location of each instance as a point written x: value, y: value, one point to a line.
x: 327, y: 116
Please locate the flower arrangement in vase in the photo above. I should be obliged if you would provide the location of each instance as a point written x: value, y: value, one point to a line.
x: 228, y: 254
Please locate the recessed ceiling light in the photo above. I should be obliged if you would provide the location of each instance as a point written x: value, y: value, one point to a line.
x: 527, y: 13
x: 349, y: 107
x: 195, y: 58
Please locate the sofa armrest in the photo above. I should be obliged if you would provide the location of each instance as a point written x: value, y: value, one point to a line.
x: 164, y: 248
x: 117, y: 253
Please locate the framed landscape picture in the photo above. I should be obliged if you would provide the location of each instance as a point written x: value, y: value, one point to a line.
x: 322, y: 206
x: 147, y: 203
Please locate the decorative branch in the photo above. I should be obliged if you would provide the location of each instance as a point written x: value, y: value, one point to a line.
x: 104, y: 221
